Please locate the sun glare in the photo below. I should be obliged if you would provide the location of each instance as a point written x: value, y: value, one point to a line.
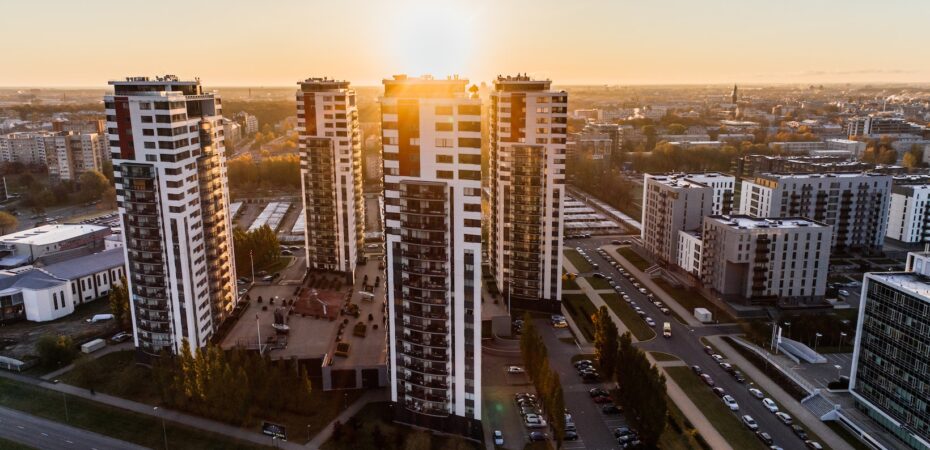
x: 433, y: 38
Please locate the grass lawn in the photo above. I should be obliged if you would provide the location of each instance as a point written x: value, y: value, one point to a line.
x: 633, y: 258
x: 570, y: 285
x: 693, y: 299
x: 581, y: 264
x: 687, y: 438
x: 850, y: 439
x: 120, y: 377
x: 726, y: 422
x: 375, y: 429
x: 581, y: 309
x: 629, y: 317
x: 10, y: 445
x: 598, y: 283
x: 660, y: 356
x: 114, y: 422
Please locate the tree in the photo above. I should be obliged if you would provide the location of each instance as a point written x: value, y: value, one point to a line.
x: 55, y: 351
x: 92, y: 185
x: 642, y: 392
x: 260, y: 246
x: 606, y: 343
x: 119, y: 304
x: 8, y: 222
x: 556, y: 405
x: 677, y: 128
x: 913, y: 158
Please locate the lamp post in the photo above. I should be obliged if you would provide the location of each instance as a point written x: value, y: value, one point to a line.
x: 816, y: 340
x: 252, y: 261
x: 65, y: 398
x: 788, y: 324
x: 842, y: 335
x: 838, y: 369
x: 164, y: 429
x: 308, y: 433
x: 258, y: 329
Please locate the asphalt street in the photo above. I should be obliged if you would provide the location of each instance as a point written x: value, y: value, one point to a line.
x: 46, y: 434
x: 686, y: 345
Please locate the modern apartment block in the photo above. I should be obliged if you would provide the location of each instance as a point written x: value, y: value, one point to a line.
x: 66, y: 154
x: 331, y: 174
x: 679, y: 202
x: 527, y: 161
x: 856, y: 204
x: 882, y: 125
x: 431, y: 133
x: 765, y: 261
x: 170, y: 169
x: 909, y: 213
x: 890, y: 376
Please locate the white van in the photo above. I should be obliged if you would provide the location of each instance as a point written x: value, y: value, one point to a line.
x: 100, y: 318
x: 667, y: 329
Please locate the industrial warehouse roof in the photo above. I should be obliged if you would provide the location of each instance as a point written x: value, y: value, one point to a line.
x: 30, y: 279
x: 50, y: 234
x: 87, y: 265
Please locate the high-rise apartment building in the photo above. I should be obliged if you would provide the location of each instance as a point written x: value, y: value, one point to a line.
x: 674, y: 203
x: 331, y: 174
x: 170, y: 169
x: 856, y: 204
x: 890, y: 375
x: 527, y: 160
x: 66, y: 154
x: 431, y: 132
x: 909, y: 213
x: 765, y: 261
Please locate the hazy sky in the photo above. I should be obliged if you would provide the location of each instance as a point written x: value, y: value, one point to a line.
x: 277, y: 42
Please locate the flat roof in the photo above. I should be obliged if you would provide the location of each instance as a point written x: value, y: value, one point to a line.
x: 750, y: 222
x: 87, y: 265
x: 811, y: 176
x: 689, y: 180
x: 50, y: 234
x: 909, y: 282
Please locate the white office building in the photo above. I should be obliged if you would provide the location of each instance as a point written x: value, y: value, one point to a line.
x: 856, y: 204
x: 331, y: 174
x: 679, y: 202
x: 527, y: 160
x: 170, y: 169
x: 432, y: 188
x: 765, y: 261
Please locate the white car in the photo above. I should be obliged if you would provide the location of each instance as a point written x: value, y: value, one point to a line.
x: 717, y: 358
x: 770, y: 405
x: 756, y: 393
x: 515, y: 369
x: 650, y: 322
x: 750, y: 422
x: 498, y: 437
x: 784, y: 418
x: 730, y: 402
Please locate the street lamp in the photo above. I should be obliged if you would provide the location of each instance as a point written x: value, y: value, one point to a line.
x: 65, y: 398
x: 838, y: 369
x: 164, y: 429
x: 817, y: 337
x: 788, y: 324
x: 842, y: 335
x: 308, y: 433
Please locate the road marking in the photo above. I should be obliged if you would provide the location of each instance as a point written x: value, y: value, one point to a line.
x: 69, y: 442
x: 45, y: 434
x: 21, y: 427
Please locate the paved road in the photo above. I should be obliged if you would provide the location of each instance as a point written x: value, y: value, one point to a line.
x: 46, y: 434
x: 685, y: 344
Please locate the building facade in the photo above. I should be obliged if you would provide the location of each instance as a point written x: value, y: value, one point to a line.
x: 527, y: 122
x: 66, y: 154
x: 331, y: 174
x: 856, y: 204
x: 432, y: 188
x: 170, y: 169
x: 890, y: 374
x: 909, y: 213
x: 674, y: 203
x: 765, y: 261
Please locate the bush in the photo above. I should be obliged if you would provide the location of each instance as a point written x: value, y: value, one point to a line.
x: 56, y: 351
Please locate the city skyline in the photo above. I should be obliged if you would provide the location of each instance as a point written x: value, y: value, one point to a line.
x: 598, y: 42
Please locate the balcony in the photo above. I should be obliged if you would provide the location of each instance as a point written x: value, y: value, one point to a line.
x: 439, y: 270
x: 427, y: 328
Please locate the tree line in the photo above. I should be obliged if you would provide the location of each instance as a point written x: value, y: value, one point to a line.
x: 281, y: 171
x: 233, y: 386
x: 641, y: 390
x: 545, y: 379
x: 259, y: 246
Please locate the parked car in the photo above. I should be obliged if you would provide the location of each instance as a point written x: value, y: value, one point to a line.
x: 731, y: 403
x: 738, y: 376
x: 515, y: 369
x: 717, y: 358
x: 697, y: 369
x: 707, y: 379
x: 570, y: 435
x: 727, y: 367
x: 770, y: 405
x: 611, y: 409
x: 498, y: 437
x: 799, y: 431
x: 813, y: 445
x: 598, y: 392
x: 756, y: 393
x: 583, y: 363
x: 784, y: 418
x: 650, y: 322
x: 537, y: 436
x: 750, y: 422
x: 764, y: 437
x: 709, y: 350
x: 603, y: 399
x: 122, y: 336
x: 622, y: 431
x: 719, y: 392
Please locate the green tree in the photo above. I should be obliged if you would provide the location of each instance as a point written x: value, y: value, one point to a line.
x: 119, y: 304
x: 642, y: 392
x: 92, y: 185
x: 8, y: 222
x: 55, y: 351
x: 556, y: 405
x: 606, y: 341
x: 260, y: 246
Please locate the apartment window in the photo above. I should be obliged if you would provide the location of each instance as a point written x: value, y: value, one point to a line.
x: 470, y: 142
x: 469, y: 159
x: 444, y: 174
x: 469, y: 126
x: 443, y: 126
x: 476, y: 223
x: 469, y: 174
x: 445, y: 143
x: 443, y: 110
x: 445, y: 159
x: 146, y: 119
x: 471, y: 110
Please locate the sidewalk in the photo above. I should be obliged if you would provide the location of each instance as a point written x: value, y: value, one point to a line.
x: 685, y: 315
x: 369, y: 397
x: 106, y: 351
x: 773, y: 390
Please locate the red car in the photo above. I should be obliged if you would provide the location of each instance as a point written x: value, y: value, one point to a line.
x: 603, y: 399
